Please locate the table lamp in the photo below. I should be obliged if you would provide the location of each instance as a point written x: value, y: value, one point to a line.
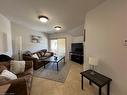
x: 93, y: 62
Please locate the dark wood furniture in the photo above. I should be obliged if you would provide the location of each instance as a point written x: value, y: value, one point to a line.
x: 55, y: 60
x: 96, y: 78
x: 76, y: 57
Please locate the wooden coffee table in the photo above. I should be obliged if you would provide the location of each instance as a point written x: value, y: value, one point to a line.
x: 57, y: 61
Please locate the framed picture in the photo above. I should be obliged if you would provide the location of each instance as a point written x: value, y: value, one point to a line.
x: 35, y: 39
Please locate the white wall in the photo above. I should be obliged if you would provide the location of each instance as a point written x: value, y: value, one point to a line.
x: 106, y: 30
x: 5, y: 36
x: 77, y: 39
x: 19, y: 30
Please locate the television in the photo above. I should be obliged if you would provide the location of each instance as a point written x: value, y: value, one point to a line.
x: 77, y: 47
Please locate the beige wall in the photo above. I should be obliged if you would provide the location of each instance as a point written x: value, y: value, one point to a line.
x: 5, y: 36
x: 106, y: 30
x: 77, y: 39
x: 19, y: 30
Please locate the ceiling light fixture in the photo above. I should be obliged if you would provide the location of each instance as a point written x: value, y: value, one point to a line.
x: 57, y: 28
x: 43, y: 19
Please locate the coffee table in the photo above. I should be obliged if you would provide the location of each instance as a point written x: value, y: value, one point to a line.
x: 57, y: 61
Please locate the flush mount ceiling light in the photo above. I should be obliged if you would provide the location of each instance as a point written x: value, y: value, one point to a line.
x: 57, y: 28
x: 43, y: 19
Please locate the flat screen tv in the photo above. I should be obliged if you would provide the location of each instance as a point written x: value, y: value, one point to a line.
x: 77, y: 47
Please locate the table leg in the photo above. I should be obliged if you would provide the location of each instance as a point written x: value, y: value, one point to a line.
x: 57, y: 67
x: 99, y: 90
x: 108, y: 88
x: 82, y: 82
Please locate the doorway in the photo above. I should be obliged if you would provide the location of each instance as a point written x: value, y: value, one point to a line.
x: 58, y: 46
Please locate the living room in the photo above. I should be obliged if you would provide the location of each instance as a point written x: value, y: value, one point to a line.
x: 104, y: 23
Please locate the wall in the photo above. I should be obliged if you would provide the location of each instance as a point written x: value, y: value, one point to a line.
x: 18, y: 30
x: 77, y: 39
x: 106, y: 30
x: 5, y: 36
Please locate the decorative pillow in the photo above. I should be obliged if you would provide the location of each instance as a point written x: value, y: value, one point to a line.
x: 17, y: 67
x: 3, y: 79
x: 35, y: 56
x: 47, y: 54
x: 39, y: 55
x: 8, y: 75
x: 42, y: 54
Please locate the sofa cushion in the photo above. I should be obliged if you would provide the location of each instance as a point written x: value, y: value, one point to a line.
x: 3, y: 79
x: 8, y: 75
x: 47, y: 54
x: 35, y: 56
x: 17, y: 66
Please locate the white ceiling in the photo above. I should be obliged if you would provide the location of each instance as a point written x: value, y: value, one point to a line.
x: 66, y: 13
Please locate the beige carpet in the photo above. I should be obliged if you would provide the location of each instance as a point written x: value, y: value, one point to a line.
x: 50, y: 72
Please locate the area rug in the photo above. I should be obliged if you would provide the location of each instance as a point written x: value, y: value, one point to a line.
x: 50, y: 72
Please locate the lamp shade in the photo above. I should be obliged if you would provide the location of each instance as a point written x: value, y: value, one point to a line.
x: 93, y: 61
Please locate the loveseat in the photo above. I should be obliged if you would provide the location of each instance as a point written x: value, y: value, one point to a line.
x: 21, y: 85
x: 38, y: 61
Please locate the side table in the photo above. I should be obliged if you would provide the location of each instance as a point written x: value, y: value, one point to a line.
x: 96, y: 78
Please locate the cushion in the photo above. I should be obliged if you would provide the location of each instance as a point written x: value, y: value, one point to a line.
x: 28, y: 53
x: 2, y: 67
x: 17, y: 66
x: 35, y: 56
x: 38, y: 54
x: 42, y: 54
x: 3, y: 79
x: 8, y: 75
x: 47, y: 54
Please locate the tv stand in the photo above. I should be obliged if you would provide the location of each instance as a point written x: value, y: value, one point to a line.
x: 76, y: 57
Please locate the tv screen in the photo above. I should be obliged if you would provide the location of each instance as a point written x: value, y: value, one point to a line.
x: 77, y: 47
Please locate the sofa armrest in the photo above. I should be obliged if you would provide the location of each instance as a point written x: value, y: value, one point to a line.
x: 18, y: 86
x: 28, y: 65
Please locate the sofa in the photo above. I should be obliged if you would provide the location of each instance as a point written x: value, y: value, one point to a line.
x: 21, y: 85
x: 39, y: 60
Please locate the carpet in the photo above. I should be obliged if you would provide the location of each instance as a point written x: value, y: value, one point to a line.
x: 51, y: 73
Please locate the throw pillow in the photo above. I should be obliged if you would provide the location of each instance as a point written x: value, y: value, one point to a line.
x: 35, y: 56
x: 8, y: 75
x: 47, y: 54
x: 17, y: 67
x: 3, y: 79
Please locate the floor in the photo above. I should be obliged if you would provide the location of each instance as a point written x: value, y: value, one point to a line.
x: 72, y: 85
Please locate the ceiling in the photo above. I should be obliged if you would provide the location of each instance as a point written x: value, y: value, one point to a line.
x: 66, y: 13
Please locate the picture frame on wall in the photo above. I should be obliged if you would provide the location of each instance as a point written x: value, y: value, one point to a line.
x: 35, y: 39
